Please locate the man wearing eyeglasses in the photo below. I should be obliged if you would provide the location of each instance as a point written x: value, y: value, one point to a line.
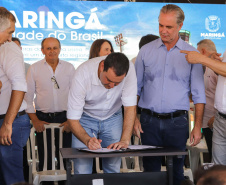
x: 99, y: 88
x: 14, y: 122
x: 49, y: 79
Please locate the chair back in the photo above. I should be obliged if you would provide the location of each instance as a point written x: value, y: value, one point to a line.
x: 53, y: 127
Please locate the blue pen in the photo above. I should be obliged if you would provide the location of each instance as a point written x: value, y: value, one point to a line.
x: 96, y: 137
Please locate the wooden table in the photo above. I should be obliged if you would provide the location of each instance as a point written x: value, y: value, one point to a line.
x: 135, y: 178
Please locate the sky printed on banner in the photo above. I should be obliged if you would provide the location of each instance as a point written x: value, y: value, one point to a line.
x: 78, y: 23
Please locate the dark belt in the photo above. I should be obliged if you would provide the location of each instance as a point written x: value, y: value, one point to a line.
x: 18, y: 114
x: 165, y: 115
x: 51, y: 114
x: 222, y: 115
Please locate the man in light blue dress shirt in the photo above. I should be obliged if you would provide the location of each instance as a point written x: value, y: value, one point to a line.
x: 165, y: 81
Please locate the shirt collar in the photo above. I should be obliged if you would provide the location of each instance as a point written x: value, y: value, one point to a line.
x: 179, y: 43
x: 95, y: 78
x: 159, y: 43
x: 44, y: 61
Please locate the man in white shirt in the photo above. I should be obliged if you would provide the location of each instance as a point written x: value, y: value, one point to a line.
x: 207, y: 48
x: 14, y: 122
x: 99, y: 88
x: 25, y: 161
x: 49, y: 79
x: 219, y: 125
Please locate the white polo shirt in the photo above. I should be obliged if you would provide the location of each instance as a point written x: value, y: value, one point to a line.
x: 48, y: 98
x: 12, y: 74
x: 87, y: 93
x: 220, y: 95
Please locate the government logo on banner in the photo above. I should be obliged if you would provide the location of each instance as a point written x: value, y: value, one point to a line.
x: 212, y: 24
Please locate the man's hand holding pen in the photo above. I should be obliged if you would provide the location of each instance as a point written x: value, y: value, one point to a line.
x: 94, y: 143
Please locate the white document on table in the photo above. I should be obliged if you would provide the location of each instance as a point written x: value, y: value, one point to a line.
x: 101, y: 150
x: 130, y: 148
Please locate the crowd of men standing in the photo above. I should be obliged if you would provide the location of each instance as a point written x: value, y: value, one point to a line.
x: 87, y: 101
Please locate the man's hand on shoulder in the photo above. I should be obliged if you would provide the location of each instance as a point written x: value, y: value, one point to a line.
x: 5, y: 134
x: 39, y: 125
x: 216, y: 56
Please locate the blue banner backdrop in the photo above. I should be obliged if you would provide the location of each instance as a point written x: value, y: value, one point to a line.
x: 78, y: 23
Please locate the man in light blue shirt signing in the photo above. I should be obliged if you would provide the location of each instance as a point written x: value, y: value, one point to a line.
x: 165, y: 81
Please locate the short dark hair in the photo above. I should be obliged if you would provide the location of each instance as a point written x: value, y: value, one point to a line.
x: 95, y: 47
x: 42, y: 43
x: 16, y: 39
x: 211, y: 176
x: 118, y: 61
x: 146, y: 39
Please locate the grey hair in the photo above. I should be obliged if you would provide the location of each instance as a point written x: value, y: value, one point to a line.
x: 5, y: 18
x: 207, y: 44
x: 174, y: 8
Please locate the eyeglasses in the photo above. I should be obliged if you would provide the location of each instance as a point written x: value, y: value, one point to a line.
x: 56, y: 86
